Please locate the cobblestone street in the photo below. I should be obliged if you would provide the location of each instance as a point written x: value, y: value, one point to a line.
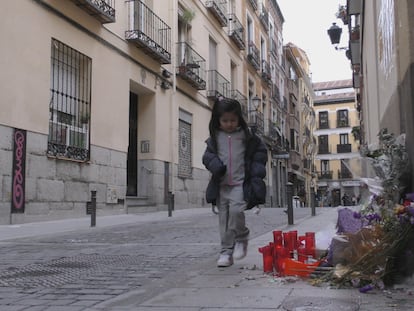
x: 83, y: 269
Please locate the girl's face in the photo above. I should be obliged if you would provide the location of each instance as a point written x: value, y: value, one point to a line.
x: 229, y: 122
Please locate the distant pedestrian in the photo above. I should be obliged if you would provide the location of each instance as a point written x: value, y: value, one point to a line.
x: 354, y: 200
x: 236, y: 158
x: 345, y: 199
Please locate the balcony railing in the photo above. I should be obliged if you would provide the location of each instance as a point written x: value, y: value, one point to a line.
x: 237, y: 95
x: 325, y: 175
x: 323, y: 150
x: 103, y: 10
x: 342, y: 123
x: 236, y: 31
x: 256, y: 121
x: 219, y: 9
x: 275, y: 93
x: 217, y: 85
x: 307, y: 164
x: 271, y: 130
x: 264, y: 17
x: 273, y: 48
x: 323, y: 125
x: 344, y: 174
x: 191, y: 66
x: 285, y: 104
x: 293, y: 87
x: 148, y: 32
x: 253, y: 55
x: 253, y: 3
x: 343, y: 148
x: 266, y: 73
x: 295, y: 159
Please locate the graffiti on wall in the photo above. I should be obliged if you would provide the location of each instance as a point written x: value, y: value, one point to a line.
x: 19, y: 171
x: 386, y: 35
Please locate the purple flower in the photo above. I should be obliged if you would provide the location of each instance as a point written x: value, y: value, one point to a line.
x: 410, y: 196
x: 366, y: 288
x: 357, y: 215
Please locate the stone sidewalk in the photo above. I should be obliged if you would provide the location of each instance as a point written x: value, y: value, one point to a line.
x: 242, y: 286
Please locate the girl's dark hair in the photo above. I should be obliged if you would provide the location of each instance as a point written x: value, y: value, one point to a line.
x: 222, y: 105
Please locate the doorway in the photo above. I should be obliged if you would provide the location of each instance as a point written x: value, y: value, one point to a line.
x: 132, y: 160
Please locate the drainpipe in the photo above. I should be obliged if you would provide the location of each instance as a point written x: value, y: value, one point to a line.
x: 173, y: 108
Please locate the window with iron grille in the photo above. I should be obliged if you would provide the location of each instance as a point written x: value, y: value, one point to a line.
x: 185, y: 154
x: 69, y: 106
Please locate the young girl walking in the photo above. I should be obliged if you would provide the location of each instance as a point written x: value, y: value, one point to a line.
x: 236, y: 158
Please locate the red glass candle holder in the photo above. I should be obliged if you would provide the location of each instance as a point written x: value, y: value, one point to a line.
x: 267, y: 252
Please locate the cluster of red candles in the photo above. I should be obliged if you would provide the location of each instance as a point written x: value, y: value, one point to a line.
x: 289, y: 254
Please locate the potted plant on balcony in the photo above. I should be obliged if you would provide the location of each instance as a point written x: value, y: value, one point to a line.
x: 342, y: 14
x: 356, y: 132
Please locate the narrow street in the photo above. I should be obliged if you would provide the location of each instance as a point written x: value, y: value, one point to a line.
x: 81, y: 270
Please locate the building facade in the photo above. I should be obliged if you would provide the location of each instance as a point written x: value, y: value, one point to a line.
x: 302, y: 148
x: 337, y: 161
x: 381, y: 56
x: 115, y: 97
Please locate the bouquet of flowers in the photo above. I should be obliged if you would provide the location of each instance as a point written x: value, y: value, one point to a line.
x: 375, y: 255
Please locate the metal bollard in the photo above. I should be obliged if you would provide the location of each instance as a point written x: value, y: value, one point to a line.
x: 93, y: 208
x: 289, y: 194
x: 170, y: 203
x: 313, y: 202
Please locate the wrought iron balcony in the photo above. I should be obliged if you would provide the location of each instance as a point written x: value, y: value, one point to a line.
x: 295, y: 159
x: 273, y: 48
x: 256, y: 121
x: 271, y: 131
x: 323, y: 150
x: 344, y: 174
x: 275, y: 93
x: 236, y: 31
x: 293, y: 87
x: 343, y: 148
x: 342, y: 123
x: 217, y: 85
x: 253, y: 55
x: 325, y: 175
x: 191, y: 66
x: 237, y: 95
x: 324, y: 125
x: 307, y: 164
x: 285, y: 104
x: 266, y: 73
x: 281, y: 145
x: 103, y: 10
x: 219, y: 9
x: 148, y: 32
x: 264, y: 17
x: 253, y: 3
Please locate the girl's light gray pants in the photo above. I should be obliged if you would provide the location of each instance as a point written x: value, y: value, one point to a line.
x: 232, y: 220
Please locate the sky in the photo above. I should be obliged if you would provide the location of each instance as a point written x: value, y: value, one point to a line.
x: 306, y: 25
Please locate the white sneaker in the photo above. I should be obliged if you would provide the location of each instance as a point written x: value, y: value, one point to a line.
x: 240, y: 250
x: 225, y: 260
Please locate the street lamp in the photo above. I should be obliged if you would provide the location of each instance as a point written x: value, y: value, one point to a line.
x: 256, y: 102
x: 334, y: 33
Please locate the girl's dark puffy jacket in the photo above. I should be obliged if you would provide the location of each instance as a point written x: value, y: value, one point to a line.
x: 254, y: 188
